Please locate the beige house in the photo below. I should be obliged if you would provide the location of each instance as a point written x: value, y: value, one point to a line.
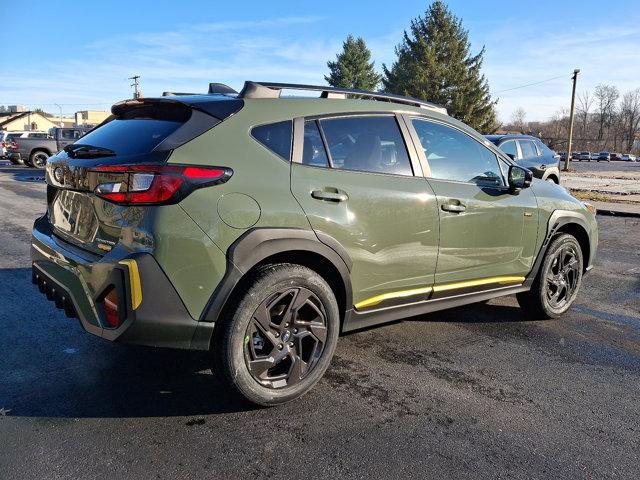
x: 90, y: 118
x: 30, y: 121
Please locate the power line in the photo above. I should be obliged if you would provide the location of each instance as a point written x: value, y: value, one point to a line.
x: 529, y: 84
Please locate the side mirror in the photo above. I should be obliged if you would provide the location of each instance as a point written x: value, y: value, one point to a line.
x: 519, y: 177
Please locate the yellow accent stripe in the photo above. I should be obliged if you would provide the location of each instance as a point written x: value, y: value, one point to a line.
x: 370, y: 302
x: 475, y: 283
x: 134, y: 280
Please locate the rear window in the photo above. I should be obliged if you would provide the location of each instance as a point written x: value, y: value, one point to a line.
x: 276, y: 137
x: 138, y: 130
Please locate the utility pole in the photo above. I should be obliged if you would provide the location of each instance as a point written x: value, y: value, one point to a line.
x: 573, y: 101
x: 136, y: 87
x: 60, y: 107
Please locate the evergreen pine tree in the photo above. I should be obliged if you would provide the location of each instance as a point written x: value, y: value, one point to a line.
x: 353, y: 67
x: 434, y: 63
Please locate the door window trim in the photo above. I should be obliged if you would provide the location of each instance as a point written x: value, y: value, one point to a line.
x: 499, y: 154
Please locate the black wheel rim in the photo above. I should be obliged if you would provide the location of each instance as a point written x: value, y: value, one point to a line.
x: 562, y: 277
x: 40, y: 160
x: 285, y: 338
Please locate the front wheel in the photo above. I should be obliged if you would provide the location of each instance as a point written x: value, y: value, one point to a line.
x: 278, y: 339
x: 556, y: 286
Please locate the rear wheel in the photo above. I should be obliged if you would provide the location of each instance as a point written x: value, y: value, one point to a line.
x: 38, y: 159
x: 278, y: 340
x: 556, y: 286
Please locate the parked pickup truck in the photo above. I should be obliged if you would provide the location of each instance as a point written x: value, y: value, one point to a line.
x: 34, y: 152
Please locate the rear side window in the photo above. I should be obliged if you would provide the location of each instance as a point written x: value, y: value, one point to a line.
x: 528, y: 149
x: 453, y: 155
x: 276, y: 137
x: 368, y: 144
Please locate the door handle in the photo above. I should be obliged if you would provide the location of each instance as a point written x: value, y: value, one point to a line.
x: 454, y: 206
x: 330, y: 195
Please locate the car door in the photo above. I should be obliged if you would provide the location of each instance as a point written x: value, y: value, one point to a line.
x: 487, y: 233
x: 354, y: 178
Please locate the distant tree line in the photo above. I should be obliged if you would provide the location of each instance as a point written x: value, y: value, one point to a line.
x: 433, y: 62
x: 604, y: 120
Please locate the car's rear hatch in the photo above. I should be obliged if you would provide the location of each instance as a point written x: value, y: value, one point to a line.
x: 140, y: 135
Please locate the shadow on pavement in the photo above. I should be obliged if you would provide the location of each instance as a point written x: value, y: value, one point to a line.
x: 52, y: 368
x: 21, y: 173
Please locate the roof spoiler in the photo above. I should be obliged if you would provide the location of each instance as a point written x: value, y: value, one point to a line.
x: 273, y: 90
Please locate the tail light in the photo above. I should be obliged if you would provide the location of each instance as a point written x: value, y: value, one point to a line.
x: 110, y: 308
x: 154, y: 185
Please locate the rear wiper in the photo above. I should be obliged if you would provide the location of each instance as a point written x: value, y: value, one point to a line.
x: 79, y: 150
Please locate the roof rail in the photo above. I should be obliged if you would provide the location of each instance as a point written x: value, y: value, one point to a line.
x: 273, y: 90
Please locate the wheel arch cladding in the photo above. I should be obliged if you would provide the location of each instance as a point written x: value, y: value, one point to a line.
x: 580, y: 234
x: 261, y: 246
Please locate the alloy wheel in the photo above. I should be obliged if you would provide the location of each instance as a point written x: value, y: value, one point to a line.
x: 562, y: 277
x: 40, y: 160
x: 285, y: 338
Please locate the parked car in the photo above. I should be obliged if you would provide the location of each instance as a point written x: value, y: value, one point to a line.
x: 260, y: 227
x: 563, y: 156
x: 7, y: 138
x: 34, y: 152
x: 615, y: 156
x: 603, y: 157
x: 575, y: 155
x: 584, y: 156
x: 529, y: 152
x: 627, y: 157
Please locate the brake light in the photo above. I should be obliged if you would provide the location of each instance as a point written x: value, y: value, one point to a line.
x: 155, y: 185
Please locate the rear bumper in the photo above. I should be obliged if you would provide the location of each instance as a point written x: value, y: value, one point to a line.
x: 152, y: 312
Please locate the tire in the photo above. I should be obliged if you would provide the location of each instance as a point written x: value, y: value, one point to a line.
x: 38, y: 159
x: 557, y: 284
x: 246, y: 342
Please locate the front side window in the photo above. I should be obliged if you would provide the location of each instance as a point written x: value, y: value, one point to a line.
x: 453, y: 155
x: 276, y: 137
x: 528, y: 149
x: 510, y: 149
x: 367, y: 144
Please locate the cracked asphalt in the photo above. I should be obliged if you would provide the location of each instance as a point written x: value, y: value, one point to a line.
x: 475, y: 392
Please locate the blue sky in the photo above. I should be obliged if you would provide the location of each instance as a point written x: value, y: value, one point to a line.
x: 80, y: 53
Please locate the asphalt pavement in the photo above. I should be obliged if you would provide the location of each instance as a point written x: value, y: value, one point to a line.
x: 475, y: 392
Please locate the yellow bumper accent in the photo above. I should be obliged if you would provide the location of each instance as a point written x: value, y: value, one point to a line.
x: 134, y: 281
x: 369, y: 302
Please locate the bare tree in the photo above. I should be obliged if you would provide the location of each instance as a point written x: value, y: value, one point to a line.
x: 585, y: 102
x: 606, y: 97
x: 630, y: 117
x: 519, y: 119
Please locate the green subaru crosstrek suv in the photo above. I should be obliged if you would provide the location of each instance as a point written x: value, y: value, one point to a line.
x: 260, y: 227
